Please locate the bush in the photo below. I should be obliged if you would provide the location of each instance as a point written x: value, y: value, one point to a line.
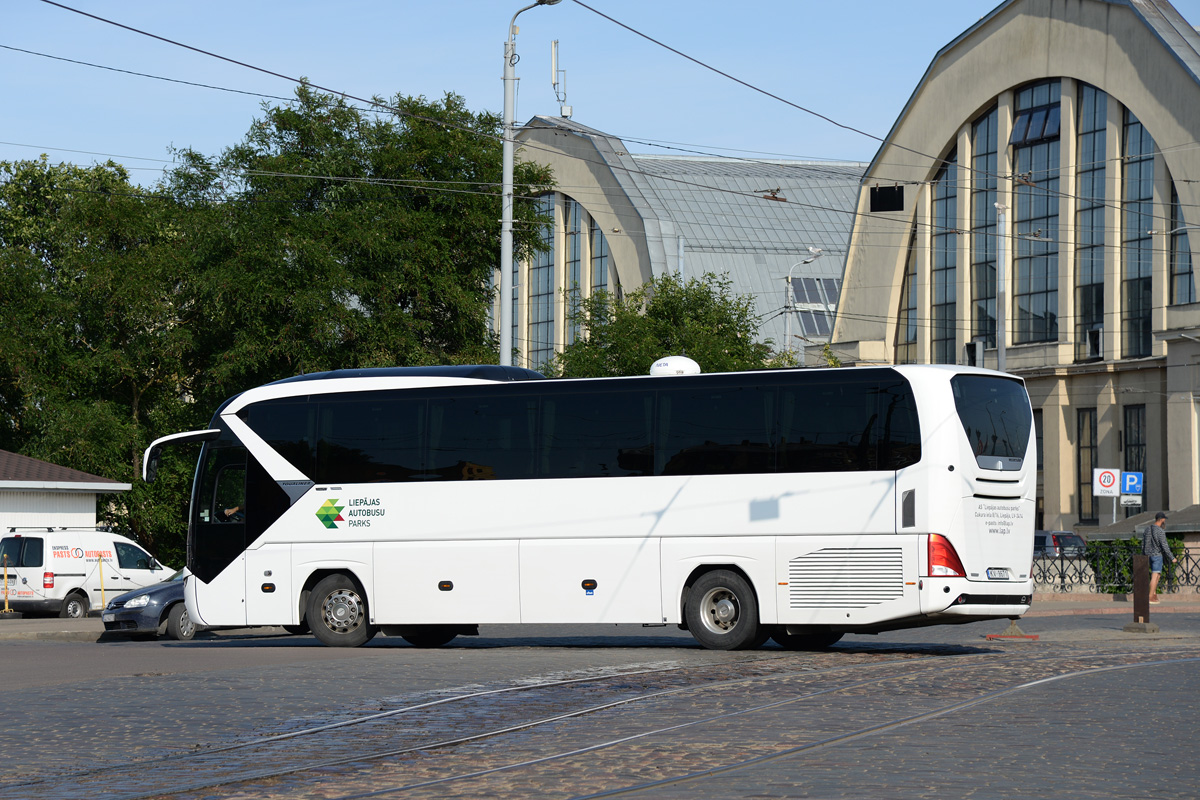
x: 1112, y: 563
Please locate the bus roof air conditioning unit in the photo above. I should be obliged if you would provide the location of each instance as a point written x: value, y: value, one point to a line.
x: 675, y: 365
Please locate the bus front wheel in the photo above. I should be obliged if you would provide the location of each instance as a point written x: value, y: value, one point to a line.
x: 722, y: 612
x: 337, y: 613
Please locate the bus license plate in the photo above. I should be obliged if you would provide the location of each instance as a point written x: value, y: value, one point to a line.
x: 997, y: 574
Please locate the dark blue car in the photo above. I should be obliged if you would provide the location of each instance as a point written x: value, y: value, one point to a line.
x: 143, y: 612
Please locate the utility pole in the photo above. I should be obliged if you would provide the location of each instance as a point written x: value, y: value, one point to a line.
x: 506, y: 190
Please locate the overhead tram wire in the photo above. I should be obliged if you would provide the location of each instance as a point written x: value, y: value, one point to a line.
x: 934, y: 159
x: 376, y: 103
x: 147, y: 75
x: 528, y: 145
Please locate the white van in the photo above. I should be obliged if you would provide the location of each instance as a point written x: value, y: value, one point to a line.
x: 69, y: 571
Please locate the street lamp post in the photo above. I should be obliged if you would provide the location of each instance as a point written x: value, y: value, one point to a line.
x: 506, y: 190
x: 789, y: 305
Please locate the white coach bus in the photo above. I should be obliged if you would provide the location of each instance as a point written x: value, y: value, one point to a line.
x: 792, y: 504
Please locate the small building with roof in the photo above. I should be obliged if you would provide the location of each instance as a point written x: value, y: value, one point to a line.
x: 36, y: 493
x: 621, y: 218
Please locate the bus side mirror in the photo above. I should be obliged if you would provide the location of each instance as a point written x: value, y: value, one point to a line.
x: 150, y: 468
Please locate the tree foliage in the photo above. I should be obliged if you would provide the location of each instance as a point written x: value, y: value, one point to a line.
x: 328, y: 238
x: 697, y: 317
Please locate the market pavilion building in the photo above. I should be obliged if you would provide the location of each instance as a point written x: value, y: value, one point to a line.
x: 620, y: 218
x: 1035, y: 202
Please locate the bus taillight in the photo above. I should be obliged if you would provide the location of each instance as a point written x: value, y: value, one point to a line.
x: 943, y: 560
x: 47, y: 580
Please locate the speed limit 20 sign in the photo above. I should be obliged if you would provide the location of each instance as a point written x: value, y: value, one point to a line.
x: 1106, y: 482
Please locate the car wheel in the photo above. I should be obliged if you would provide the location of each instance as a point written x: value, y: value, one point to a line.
x: 74, y: 606
x: 179, y: 623
x: 429, y: 635
x: 337, y: 613
x: 722, y: 612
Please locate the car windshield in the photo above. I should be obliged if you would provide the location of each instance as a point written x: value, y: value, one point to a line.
x: 1070, y: 541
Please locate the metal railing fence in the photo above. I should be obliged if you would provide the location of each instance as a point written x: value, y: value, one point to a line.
x: 1107, y: 568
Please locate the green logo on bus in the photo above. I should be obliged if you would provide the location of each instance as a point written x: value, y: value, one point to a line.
x: 330, y: 513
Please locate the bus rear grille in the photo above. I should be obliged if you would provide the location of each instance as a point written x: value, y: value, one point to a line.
x: 846, y: 578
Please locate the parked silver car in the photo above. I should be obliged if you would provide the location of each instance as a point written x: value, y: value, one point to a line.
x: 1052, y: 544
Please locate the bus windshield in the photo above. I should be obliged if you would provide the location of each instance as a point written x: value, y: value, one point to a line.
x: 995, y: 415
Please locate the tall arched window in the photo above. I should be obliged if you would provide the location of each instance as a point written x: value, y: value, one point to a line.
x: 944, y: 272
x: 1036, y: 156
x: 1136, y: 251
x: 1089, y: 223
x: 573, y: 218
x: 1183, y: 280
x: 541, y: 291
x: 983, y: 228
x: 906, y: 327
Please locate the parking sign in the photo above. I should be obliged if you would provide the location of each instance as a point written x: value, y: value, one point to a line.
x: 1106, y: 482
x: 1131, y: 483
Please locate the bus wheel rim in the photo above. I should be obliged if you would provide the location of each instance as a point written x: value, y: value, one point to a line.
x: 719, y: 610
x: 343, y: 611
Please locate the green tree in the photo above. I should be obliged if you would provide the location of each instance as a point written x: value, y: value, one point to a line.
x: 697, y: 317
x: 329, y: 238
x: 95, y: 340
x: 342, y: 238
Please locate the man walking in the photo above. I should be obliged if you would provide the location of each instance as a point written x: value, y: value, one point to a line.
x: 1154, y: 544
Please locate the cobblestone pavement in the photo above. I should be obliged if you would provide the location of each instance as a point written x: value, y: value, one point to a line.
x: 1085, y: 711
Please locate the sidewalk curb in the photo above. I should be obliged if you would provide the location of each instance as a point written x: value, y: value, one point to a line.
x: 52, y: 636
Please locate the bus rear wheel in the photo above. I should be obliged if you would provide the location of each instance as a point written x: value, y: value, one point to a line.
x: 337, y: 613
x: 722, y: 612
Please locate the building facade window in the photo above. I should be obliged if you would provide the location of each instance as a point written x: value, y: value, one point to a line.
x: 1183, y: 280
x: 541, y: 291
x: 943, y: 275
x: 1138, y: 219
x: 573, y: 218
x: 983, y: 228
x: 1089, y: 223
x: 1036, y: 156
x: 599, y: 249
x: 1134, y: 445
x: 906, y: 329
x: 1085, y: 462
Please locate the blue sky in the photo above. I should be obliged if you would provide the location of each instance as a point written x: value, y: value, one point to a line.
x: 854, y: 61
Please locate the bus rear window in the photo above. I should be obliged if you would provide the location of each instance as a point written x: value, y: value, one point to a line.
x: 996, y: 418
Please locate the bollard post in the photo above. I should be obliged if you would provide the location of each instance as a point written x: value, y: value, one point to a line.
x: 1141, y: 597
x: 8, y: 613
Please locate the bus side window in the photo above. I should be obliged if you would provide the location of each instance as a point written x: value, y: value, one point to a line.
x: 370, y: 439
x: 596, y: 434
x: 719, y: 430
x: 484, y: 437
